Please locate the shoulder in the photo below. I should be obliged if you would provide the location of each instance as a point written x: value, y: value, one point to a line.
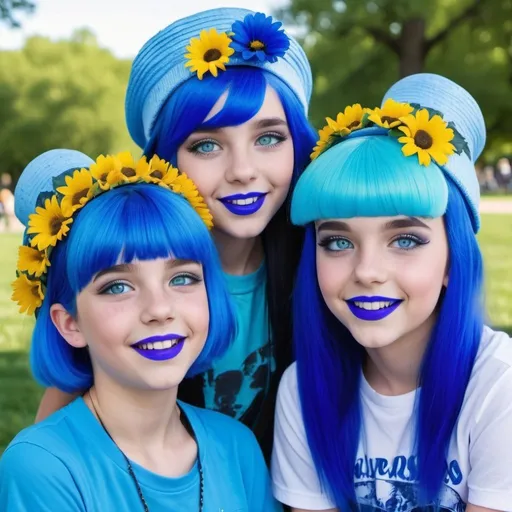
x: 288, y: 393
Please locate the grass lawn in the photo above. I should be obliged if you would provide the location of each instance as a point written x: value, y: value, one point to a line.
x: 19, y: 395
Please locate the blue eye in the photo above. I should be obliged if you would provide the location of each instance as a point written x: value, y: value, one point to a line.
x: 336, y: 244
x: 116, y: 289
x: 183, y: 280
x: 205, y: 147
x: 269, y: 140
x: 408, y: 242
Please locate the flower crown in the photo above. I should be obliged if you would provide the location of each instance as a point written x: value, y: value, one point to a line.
x: 72, y: 191
x: 421, y: 131
x: 258, y: 37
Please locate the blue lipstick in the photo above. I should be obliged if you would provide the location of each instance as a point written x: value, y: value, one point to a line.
x: 381, y: 307
x: 160, y: 354
x: 244, y: 204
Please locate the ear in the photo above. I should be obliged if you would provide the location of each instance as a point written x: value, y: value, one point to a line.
x: 67, y: 326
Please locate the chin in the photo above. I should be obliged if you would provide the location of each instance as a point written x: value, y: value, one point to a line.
x: 373, y: 336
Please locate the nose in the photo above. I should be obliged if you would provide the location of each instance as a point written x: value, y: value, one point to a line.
x: 241, y: 167
x: 370, y: 267
x: 158, y: 307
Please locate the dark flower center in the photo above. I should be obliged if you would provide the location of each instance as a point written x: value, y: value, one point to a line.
x: 353, y: 124
x: 157, y: 174
x: 256, y: 45
x: 35, y: 291
x: 103, y: 177
x: 79, y: 195
x: 55, y: 225
x: 388, y: 119
x: 212, y: 54
x: 128, y: 172
x: 423, y: 140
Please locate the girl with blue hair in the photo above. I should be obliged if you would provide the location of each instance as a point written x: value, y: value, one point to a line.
x: 223, y: 94
x: 120, y: 269
x: 400, y: 398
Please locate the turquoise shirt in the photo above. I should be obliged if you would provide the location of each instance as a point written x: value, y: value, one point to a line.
x: 68, y: 463
x: 240, y: 379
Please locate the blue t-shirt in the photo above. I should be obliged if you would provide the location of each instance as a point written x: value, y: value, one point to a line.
x: 241, y: 378
x: 69, y: 463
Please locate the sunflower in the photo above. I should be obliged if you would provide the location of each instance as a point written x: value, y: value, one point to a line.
x: 101, y: 169
x: 27, y: 293
x: 389, y: 115
x: 430, y: 138
x: 208, y: 53
x: 323, y: 141
x: 347, y: 121
x: 132, y: 171
x: 160, y: 170
x: 184, y: 186
x: 32, y: 261
x: 77, y: 192
x: 49, y: 224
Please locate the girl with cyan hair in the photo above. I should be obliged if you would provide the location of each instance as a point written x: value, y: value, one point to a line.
x: 401, y: 398
x: 120, y: 269
x: 223, y: 94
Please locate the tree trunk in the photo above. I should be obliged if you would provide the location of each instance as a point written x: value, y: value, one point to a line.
x: 412, y: 47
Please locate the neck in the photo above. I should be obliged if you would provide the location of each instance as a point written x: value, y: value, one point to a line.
x: 137, y: 420
x: 394, y: 370
x: 238, y: 256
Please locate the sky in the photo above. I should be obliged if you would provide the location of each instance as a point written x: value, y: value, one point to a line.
x: 121, y: 26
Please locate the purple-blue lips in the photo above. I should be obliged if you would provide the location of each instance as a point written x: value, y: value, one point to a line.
x: 160, y: 348
x: 244, y: 204
x: 372, y: 308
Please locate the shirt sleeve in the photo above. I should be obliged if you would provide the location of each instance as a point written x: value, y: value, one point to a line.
x: 490, y: 453
x: 256, y: 477
x: 294, y: 478
x: 34, y: 480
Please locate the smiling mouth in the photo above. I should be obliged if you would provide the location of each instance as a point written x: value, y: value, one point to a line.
x: 241, y: 202
x: 158, y: 345
x: 372, y: 308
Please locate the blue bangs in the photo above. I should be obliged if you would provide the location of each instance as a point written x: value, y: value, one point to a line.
x: 368, y: 176
x: 141, y: 222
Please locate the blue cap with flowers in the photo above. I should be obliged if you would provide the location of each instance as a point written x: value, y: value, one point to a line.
x: 205, y: 43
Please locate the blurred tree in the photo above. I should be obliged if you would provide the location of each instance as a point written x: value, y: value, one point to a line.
x: 358, y: 48
x: 61, y: 94
x: 7, y: 8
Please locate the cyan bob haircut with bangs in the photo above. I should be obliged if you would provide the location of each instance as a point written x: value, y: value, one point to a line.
x: 140, y: 221
x: 369, y: 176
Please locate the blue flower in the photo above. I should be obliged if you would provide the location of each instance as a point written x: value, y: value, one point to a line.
x: 257, y: 37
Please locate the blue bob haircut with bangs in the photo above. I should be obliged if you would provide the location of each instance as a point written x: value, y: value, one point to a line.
x: 140, y: 221
x: 186, y: 109
x: 369, y: 176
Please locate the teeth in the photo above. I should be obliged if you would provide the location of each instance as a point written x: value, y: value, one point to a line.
x: 373, y: 306
x: 243, y: 202
x: 159, y: 345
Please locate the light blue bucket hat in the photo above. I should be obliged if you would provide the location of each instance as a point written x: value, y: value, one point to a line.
x: 37, y: 177
x: 457, y: 106
x: 159, y: 68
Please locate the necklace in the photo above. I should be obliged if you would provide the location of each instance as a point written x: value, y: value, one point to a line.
x: 188, y: 427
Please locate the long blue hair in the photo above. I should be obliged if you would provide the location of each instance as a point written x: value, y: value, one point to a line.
x: 141, y: 221
x: 369, y: 176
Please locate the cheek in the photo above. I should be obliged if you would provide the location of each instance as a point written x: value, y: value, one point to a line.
x: 201, y: 172
x: 331, y: 276
x: 280, y: 166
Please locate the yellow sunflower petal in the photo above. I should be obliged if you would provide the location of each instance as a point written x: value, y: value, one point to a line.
x: 32, y: 261
x: 27, y: 293
x: 77, y: 192
x: 410, y: 149
x: 423, y: 157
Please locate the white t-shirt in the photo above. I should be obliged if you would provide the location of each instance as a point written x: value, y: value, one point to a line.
x: 480, y: 453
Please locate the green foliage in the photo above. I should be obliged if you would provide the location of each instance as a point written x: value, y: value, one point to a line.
x: 64, y: 94
x: 7, y: 8
x: 358, y: 48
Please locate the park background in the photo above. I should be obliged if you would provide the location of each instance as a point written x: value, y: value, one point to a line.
x: 64, y: 65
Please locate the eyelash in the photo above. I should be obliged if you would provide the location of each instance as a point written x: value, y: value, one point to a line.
x: 193, y: 148
x: 325, y: 242
x: 195, y: 279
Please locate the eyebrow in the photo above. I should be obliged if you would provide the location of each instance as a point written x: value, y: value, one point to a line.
x: 407, y: 222
x: 124, y: 268
x: 267, y: 122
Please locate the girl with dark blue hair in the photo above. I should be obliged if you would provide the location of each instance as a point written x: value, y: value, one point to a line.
x: 400, y: 398
x: 120, y: 269
x: 223, y: 94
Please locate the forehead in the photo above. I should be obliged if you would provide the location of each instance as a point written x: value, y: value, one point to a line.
x: 367, y: 224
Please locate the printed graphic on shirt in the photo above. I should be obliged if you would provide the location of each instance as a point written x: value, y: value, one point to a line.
x: 384, y: 486
x: 232, y: 392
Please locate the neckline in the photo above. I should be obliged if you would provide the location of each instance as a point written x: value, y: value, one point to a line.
x: 404, y: 402
x: 240, y: 284
x: 147, y: 479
